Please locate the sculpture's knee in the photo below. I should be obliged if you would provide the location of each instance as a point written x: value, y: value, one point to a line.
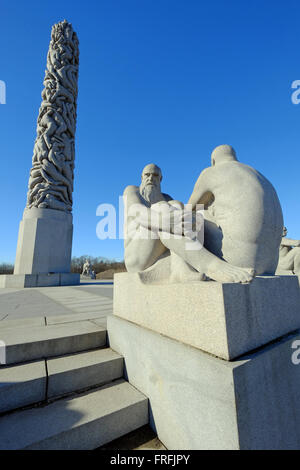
x: 135, y: 264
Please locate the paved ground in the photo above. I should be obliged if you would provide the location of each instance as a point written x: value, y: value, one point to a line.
x: 91, y: 300
x: 141, y: 439
x: 88, y: 297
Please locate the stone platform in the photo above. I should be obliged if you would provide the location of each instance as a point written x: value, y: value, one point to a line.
x: 44, y: 242
x: 39, y: 280
x: 217, y: 365
x: 52, y: 305
x: 226, y: 320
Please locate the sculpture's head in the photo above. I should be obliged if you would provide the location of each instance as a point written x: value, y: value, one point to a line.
x: 284, y: 233
x: 223, y: 153
x: 150, y: 185
x: 151, y: 175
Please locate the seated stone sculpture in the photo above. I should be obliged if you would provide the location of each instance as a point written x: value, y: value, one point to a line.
x: 242, y: 225
x: 86, y: 271
x: 289, y: 255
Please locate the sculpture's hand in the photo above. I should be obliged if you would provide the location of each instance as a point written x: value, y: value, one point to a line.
x: 181, y: 222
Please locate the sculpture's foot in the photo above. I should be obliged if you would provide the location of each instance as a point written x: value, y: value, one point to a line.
x: 225, y: 272
x: 190, y: 276
x: 183, y: 272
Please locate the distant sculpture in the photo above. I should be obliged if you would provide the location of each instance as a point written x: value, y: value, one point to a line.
x: 289, y: 255
x: 51, y: 177
x: 242, y: 226
x: 87, y: 269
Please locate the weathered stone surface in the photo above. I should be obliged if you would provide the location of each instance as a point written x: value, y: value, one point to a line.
x: 69, y: 279
x: 22, y: 323
x: 51, y: 177
x: 45, y: 242
x: 22, y: 385
x: 48, y: 280
x: 82, y: 370
x: 39, y: 280
x: 84, y: 422
x: 226, y: 320
x: 18, y: 280
x: 26, y: 344
x: 72, y: 317
x: 198, y: 401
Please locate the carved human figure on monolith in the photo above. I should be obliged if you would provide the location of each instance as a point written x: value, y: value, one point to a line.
x: 242, y: 227
x: 51, y: 177
x: 289, y: 254
x: 45, y: 235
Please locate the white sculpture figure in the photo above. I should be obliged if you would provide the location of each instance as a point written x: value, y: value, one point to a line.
x: 243, y: 225
x: 51, y: 177
x: 87, y: 269
x: 243, y: 218
x: 289, y: 254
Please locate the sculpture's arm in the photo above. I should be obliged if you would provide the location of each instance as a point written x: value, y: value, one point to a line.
x: 202, y: 192
x: 160, y: 218
x: 135, y: 210
x: 290, y: 242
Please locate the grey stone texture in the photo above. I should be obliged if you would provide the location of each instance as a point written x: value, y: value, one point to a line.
x: 69, y: 279
x: 198, y: 401
x: 75, y: 317
x: 22, y: 385
x: 85, y: 422
x: 33, y: 382
x: 51, y: 177
x: 56, y: 302
x: 83, y: 370
x: 18, y: 280
x: 39, y: 280
x: 45, y: 242
x: 226, y: 320
x: 22, y: 322
x: 26, y: 344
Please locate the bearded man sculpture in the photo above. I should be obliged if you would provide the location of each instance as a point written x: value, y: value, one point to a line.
x: 242, y: 225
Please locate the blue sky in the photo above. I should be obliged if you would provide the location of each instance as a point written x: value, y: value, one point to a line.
x: 161, y: 81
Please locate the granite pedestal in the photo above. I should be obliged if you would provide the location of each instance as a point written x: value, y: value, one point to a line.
x: 44, y: 250
x: 215, y: 360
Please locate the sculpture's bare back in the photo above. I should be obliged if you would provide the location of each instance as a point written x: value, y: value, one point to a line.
x: 243, y: 220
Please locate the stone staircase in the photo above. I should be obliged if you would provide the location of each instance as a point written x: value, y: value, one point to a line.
x: 63, y: 388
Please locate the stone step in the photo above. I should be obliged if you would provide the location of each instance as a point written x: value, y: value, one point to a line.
x: 27, y: 384
x: 86, y: 421
x: 38, y: 342
x: 83, y: 370
x: 22, y: 385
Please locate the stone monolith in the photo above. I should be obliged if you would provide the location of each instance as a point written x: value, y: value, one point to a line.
x: 45, y: 234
